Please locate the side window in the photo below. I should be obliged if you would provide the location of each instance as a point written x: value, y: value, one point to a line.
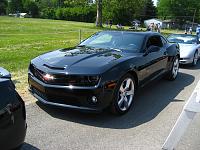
x: 155, y: 41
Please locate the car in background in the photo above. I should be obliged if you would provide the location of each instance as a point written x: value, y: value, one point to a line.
x: 103, y: 71
x: 12, y: 114
x: 189, y: 47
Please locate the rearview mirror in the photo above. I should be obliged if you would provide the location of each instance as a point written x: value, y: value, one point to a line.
x: 4, y: 73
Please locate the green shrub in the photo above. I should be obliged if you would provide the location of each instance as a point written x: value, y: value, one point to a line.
x: 83, y: 14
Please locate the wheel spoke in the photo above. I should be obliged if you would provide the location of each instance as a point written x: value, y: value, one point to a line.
x: 126, y: 103
x: 128, y: 83
x: 120, y: 102
x: 122, y: 88
x: 131, y: 92
x: 175, y: 67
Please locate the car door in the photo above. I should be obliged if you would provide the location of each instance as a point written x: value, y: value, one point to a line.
x: 155, y: 61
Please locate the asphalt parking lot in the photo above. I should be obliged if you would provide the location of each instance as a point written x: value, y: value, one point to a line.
x: 145, y: 127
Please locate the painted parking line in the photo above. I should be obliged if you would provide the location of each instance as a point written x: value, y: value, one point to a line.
x: 30, y: 102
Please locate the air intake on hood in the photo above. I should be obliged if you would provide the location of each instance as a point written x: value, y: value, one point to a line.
x: 55, y: 68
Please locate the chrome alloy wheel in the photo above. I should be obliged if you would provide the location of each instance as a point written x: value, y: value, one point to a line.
x: 195, y: 59
x: 175, y: 67
x: 126, y: 94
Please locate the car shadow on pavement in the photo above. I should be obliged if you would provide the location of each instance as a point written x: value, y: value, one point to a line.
x: 27, y: 146
x: 149, y: 102
x: 188, y: 66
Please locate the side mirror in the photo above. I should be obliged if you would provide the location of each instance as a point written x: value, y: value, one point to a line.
x: 151, y: 49
x: 4, y: 73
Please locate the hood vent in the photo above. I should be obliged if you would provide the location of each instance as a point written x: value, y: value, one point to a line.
x: 54, y: 68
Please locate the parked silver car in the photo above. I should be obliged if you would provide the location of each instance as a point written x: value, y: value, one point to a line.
x: 189, y: 47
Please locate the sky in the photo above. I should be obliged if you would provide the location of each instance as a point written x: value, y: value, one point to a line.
x: 155, y: 2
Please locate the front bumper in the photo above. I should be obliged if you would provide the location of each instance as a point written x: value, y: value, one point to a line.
x: 186, y: 60
x: 70, y: 97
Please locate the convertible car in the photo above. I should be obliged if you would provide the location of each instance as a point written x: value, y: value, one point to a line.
x: 12, y: 114
x: 104, y: 71
x: 189, y: 47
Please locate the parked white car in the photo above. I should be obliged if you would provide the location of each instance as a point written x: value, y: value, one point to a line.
x: 189, y: 47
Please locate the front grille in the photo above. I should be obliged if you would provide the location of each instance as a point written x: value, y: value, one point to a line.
x: 36, y: 72
x: 63, y: 79
x: 40, y: 94
x: 67, y: 100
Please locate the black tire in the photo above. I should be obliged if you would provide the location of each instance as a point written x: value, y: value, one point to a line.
x: 173, y: 73
x: 119, y: 95
x: 195, y: 59
x: 18, y: 147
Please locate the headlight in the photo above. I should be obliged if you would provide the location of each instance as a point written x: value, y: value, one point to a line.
x: 71, y: 80
x: 48, y: 77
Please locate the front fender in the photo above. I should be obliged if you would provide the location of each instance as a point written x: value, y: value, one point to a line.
x: 173, y: 49
x: 118, y: 71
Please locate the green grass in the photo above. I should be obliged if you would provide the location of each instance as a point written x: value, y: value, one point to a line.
x: 22, y: 39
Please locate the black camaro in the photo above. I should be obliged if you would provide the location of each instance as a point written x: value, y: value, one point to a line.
x: 103, y: 71
x: 12, y: 114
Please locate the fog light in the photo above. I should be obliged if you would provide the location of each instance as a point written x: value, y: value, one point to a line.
x: 94, y: 99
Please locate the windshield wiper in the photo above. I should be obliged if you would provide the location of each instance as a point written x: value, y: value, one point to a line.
x: 81, y: 46
x: 85, y: 46
x: 116, y: 49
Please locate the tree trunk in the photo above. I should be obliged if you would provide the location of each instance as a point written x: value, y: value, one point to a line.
x: 99, y: 14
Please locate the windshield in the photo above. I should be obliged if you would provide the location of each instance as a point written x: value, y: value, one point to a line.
x: 184, y: 38
x: 115, y: 40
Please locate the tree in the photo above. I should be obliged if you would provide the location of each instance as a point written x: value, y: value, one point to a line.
x: 149, y: 10
x: 123, y: 12
x: 3, y: 6
x: 15, y: 6
x: 99, y: 13
x: 75, y: 3
x: 179, y: 10
x: 31, y: 8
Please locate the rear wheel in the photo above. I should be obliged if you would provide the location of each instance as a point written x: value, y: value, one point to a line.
x: 174, y: 70
x: 195, y: 59
x: 123, y: 95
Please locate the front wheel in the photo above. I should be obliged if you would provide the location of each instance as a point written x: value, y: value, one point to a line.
x: 123, y: 95
x: 195, y: 59
x: 174, y: 70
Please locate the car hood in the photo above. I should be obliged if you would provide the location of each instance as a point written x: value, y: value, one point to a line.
x: 82, y: 59
x: 187, y: 50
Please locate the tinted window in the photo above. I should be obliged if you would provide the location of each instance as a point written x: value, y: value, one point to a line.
x: 155, y: 41
x: 116, y: 40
